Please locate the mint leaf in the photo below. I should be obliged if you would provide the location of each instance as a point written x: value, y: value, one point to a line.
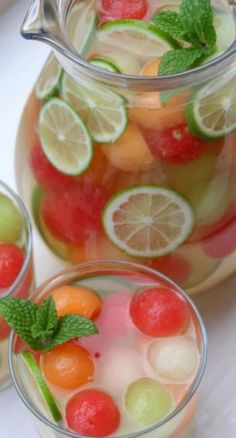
x: 20, y: 315
x: 170, y: 23
x: 39, y: 326
x: 197, y: 19
x: 46, y: 320
x: 177, y: 61
x: 70, y: 327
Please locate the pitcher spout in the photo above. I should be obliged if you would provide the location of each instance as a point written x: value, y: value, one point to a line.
x: 42, y: 23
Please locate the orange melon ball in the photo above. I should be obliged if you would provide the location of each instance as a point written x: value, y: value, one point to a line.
x: 67, y: 366
x: 77, y: 299
x: 149, y: 113
x: 151, y: 68
x: 130, y: 153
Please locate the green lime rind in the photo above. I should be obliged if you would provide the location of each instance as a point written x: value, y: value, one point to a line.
x: 121, y: 197
x: 36, y: 199
x: 219, y: 95
x: 64, y: 138
x: 105, y: 63
x: 40, y: 385
x: 104, y: 111
x: 49, y: 81
x: 160, y: 38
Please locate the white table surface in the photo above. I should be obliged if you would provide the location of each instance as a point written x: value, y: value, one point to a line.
x: 20, y: 62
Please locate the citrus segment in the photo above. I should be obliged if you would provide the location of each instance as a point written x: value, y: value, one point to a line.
x: 211, y: 109
x: 64, y: 138
x: 148, y: 221
x: 136, y: 37
x: 48, y: 83
x: 105, y: 64
x: 102, y: 110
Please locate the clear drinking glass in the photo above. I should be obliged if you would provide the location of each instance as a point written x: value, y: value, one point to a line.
x: 206, y: 181
x: 22, y: 285
x: 108, y: 277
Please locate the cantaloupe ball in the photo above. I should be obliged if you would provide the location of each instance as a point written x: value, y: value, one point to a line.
x: 151, y: 68
x: 150, y: 114
x: 149, y: 111
x: 130, y: 153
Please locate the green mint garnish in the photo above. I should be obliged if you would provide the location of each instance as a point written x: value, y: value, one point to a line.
x: 193, y: 26
x: 39, y: 326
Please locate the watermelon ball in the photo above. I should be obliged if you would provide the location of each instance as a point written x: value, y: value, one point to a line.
x: 174, y: 145
x: 159, y: 312
x: 45, y: 173
x: 147, y: 401
x: 11, y: 262
x: 92, y: 413
x: 119, y: 9
x: 74, y: 215
x: 11, y: 221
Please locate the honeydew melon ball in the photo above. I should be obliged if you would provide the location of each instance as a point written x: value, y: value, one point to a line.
x: 11, y: 221
x: 175, y: 359
x: 147, y: 401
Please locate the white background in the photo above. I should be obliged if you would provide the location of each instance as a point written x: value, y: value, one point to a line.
x: 20, y: 63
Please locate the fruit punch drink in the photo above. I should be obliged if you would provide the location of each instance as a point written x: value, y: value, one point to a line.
x: 135, y: 368
x: 128, y: 139
x: 16, y: 264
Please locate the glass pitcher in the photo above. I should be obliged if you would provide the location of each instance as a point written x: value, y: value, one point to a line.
x: 119, y: 163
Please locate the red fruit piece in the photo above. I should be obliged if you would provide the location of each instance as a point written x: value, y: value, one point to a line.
x: 174, y: 145
x: 222, y: 243
x: 73, y: 215
x: 117, y: 9
x: 4, y: 330
x: 160, y: 312
x: 11, y: 262
x: 45, y: 173
x: 202, y: 232
x: 92, y: 413
x: 175, y: 266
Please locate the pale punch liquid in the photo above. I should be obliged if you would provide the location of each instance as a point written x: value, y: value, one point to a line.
x: 123, y: 355
x: 206, y: 180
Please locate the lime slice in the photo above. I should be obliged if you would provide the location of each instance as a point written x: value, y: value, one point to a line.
x: 81, y: 26
x: 148, y: 221
x: 64, y: 138
x: 103, y: 111
x: 105, y: 64
x: 225, y: 29
x: 137, y: 37
x: 211, y: 109
x: 48, y: 83
x: 36, y: 386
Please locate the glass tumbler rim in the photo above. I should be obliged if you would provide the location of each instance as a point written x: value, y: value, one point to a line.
x: 28, y: 232
x: 103, y: 265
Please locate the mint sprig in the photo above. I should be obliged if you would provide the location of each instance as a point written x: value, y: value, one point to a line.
x: 193, y: 27
x: 39, y: 326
